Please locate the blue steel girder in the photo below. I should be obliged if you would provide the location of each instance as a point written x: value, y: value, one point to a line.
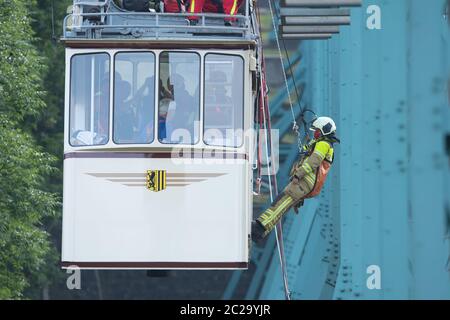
x: 392, y: 173
x: 393, y: 186
x: 386, y: 200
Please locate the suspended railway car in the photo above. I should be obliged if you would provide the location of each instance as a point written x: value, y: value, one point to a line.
x: 158, y: 144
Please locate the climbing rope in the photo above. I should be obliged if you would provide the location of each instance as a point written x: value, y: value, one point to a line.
x: 264, y: 113
x: 278, y: 230
x: 303, y: 109
x: 294, y: 120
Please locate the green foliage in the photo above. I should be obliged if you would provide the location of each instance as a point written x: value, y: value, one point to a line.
x: 23, y: 245
x: 24, y: 168
x: 49, y: 128
x: 20, y: 66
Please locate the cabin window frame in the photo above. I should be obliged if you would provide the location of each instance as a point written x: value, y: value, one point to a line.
x: 156, y: 92
x: 204, y: 99
x: 201, y: 85
x: 69, y: 130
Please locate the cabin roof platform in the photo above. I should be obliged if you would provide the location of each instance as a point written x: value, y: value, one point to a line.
x: 113, y: 27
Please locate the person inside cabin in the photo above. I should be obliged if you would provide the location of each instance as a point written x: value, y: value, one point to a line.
x: 123, y: 111
x: 229, y: 7
x: 220, y: 91
x: 180, y: 113
x: 163, y: 92
x: 102, y: 110
x: 165, y: 99
x: 218, y: 101
x: 164, y: 105
x: 145, y: 100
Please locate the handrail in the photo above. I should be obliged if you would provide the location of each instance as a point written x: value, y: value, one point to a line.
x: 91, y: 3
x: 149, y: 14
x: 159, y: 21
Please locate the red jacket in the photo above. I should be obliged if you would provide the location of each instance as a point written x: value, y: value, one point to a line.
x: 174, y: 6
x: 230, y: 7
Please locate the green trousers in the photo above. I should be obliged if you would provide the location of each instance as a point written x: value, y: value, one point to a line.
x: 291, y: 195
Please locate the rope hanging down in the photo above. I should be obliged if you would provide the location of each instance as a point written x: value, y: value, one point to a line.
x: 264, y: 111
x: 264, y: 118
x: 303, y: 109
x: 294, y: 120
x: 279, y: 229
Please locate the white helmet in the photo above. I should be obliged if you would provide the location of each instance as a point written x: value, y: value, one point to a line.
x: 326, y: 125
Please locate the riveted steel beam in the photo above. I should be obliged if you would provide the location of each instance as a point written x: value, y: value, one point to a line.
x: 316, y: 20
x: 306, y: 36
x: 309, y: 29
x: 313, y: 12
x: 320, y: 3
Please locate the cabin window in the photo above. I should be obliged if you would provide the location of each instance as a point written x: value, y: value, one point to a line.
x: 224, y: 100
x: 134, y: 97
x: 179, y: 98
x: 89, y: 100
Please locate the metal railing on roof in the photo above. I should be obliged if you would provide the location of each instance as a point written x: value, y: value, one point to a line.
x: 112, y: 22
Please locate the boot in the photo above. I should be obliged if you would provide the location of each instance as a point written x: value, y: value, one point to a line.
x: 258, y: 231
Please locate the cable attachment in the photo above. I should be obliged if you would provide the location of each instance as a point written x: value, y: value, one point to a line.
x: 295, y: 127
x: 258, y: 187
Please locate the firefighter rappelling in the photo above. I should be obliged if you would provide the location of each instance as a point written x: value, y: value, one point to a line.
x: 307, y: 176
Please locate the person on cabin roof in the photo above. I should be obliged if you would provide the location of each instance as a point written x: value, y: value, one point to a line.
x: 174, y: 6
x: 307, y: 177
x: 229, y: 7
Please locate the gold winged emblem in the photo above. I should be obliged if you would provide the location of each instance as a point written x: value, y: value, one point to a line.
x: 156, y: 180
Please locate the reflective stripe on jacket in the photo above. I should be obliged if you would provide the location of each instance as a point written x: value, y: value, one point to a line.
x: 314, y: 168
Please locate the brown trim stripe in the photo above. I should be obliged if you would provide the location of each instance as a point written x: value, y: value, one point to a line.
x: 119, y: 175
x: 167, y: 180
x: 194, y: 175
x: 136, y: 44
x: 155, y: 155
x: 144, y: 175
x: 143, y: 185
x: 161, y: 265
x: 128, y: 180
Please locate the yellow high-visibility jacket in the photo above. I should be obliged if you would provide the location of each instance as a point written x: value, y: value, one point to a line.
x: 314, y: 167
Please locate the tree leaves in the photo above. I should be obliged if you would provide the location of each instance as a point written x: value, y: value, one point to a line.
x: 24, y: 203
x: 20, y: 65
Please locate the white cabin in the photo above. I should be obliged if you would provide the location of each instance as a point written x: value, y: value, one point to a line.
x: 158, y: 144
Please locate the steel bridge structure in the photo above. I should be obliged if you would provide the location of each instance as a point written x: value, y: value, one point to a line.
x: 386, y: 206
